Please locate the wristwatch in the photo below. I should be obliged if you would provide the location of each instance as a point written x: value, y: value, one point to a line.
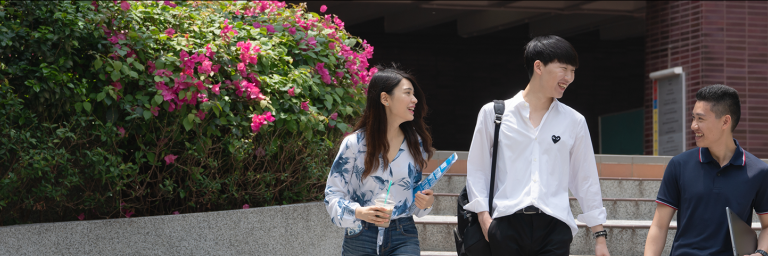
x: 605, y: 234
x: 761, y: 252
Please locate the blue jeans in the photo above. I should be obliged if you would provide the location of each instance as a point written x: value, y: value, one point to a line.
x: 401, y: 238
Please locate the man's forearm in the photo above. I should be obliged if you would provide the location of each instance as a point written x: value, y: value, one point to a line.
x: 762, y: 242
x: 657, y: 238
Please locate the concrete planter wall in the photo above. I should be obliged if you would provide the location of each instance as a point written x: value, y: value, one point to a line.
x: 299, y: 229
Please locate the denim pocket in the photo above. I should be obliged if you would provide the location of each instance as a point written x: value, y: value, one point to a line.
x: 409, y: 230
x: 352, y: 232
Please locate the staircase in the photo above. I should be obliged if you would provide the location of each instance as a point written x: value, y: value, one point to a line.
x: 629, y: 203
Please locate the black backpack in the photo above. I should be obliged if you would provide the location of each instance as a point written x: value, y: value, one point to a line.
x: 468, y: 234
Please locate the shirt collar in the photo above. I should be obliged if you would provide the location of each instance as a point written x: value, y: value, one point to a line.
x: 738, y: 158
x: 519, y: 100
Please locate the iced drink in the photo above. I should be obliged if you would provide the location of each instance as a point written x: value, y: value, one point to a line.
x: 387, y: 204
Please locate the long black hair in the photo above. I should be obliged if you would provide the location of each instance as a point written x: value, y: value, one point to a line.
x: 374, y: 121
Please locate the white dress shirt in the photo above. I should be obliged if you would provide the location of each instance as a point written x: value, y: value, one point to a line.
x: 535, y: 166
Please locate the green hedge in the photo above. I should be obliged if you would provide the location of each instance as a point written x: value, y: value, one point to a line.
x: 121, y: 109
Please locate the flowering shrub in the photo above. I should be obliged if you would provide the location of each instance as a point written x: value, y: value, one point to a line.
x: 196, y: 105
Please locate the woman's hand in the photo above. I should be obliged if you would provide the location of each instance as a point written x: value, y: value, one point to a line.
x: 425, y: 199
x: 372, y: 214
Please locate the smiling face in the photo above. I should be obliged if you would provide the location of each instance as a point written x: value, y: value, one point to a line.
x: 555, y: 77
x: 708, y: 129
x: 400, y: 105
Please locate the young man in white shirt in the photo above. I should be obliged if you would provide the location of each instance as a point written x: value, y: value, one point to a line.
x: 544, y: 150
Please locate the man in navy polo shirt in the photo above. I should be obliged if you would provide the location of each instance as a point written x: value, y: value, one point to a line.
x: 701, y: 182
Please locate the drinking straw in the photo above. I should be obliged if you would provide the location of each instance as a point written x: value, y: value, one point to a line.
x: 390, y: 186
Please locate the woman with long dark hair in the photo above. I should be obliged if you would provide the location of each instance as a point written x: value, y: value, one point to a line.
x: 390, y: 145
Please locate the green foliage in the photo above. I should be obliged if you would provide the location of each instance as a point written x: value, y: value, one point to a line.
x: 148, y: 108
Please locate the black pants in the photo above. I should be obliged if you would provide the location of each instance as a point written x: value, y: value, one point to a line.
x: 529, y: 235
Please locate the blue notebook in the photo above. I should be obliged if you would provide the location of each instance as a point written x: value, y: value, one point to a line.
x: 432, y: 179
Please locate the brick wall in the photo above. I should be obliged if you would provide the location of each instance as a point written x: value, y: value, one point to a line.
x: 715, y: 43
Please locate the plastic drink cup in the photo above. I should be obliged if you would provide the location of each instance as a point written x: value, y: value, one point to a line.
x: 389, y: 205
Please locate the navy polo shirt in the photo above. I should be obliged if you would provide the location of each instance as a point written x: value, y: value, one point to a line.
x: 699, y: 189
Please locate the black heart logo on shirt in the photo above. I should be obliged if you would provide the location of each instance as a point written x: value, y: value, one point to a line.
x: 555, y: 139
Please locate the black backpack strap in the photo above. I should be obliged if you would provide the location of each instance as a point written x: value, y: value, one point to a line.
x: 498, y: 109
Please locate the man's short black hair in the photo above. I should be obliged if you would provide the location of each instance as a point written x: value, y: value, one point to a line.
x: 548, y: 49
x: 724, y: 100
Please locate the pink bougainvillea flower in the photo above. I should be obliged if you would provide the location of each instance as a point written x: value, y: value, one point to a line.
x: 169, y: 32
x: 290, y: 91
x: 227, y: 29
x: 151, y: 66
x: 270, y: 28
x: 128, y: 214
x: 237, y: 12
x: 154, y: 110
x: 208, y: 52
x: 345, y: 134
x: 113, y: 39
x: 215, y: 88
x: 201, y: 115
x: 256, y: 25
x: 95, y: 5
x: 163, y: 72
x: 334, y: 116
x: 81, y: 216
x: 246, y: 206
x: 324, y: 75
x: 286, y: 25
x: 323, y: 8
x: 117, y: 85
x: 169, y: 3
x: 125, y: 5
x: 292, y: 31
x: 311, y: 41
x: 176, y: 212
x: 205, y: 68
x: 338, y: 22
x: 332, y: 46
x: 170, y: 158
x: 373, y: 71
x: 339, y: 74
x: 121, y: 130
x: 332, y: 126
x: 215, y: 68
x: 305, y: 106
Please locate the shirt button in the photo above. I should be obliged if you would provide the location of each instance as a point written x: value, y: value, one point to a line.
x: 535, y: 159
x: 535, y: 180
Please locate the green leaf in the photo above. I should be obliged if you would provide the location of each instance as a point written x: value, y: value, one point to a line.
x: 115, y: 75
x: 340, y: 92
x: 328, y: 103
x: 158, y: 79
x: 349, y: 110
x: 158, y: 99
x: 187, y: 124
x: 87, y: 106
x: 151, y: 157
x: 101, y: 96
x: 342, y: 127
x: 97, y: 64
x: 337, y: 98
x: 79, y: 106
x: 191, y: 117
x: 118, y: 65
x: 134, y: 74
x: 147, y: 115
x: 292, y: 125
x: 138, y: 66
x: 129, y: 60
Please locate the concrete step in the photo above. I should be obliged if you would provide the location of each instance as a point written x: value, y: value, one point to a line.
x: 610, y: 187
x: 452, y: 253
x: 616, y: 208
x: 626, y: 236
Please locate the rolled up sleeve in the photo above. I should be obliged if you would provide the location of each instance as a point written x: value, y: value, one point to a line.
x: 584, y: 182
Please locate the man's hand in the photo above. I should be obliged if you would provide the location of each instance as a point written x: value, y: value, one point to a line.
x: 485, y: 222
x: 424, y: 199
x: 601, y: 247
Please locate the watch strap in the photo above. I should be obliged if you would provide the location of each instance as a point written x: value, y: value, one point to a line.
x: 605, y: 234
x: 761, y: 252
